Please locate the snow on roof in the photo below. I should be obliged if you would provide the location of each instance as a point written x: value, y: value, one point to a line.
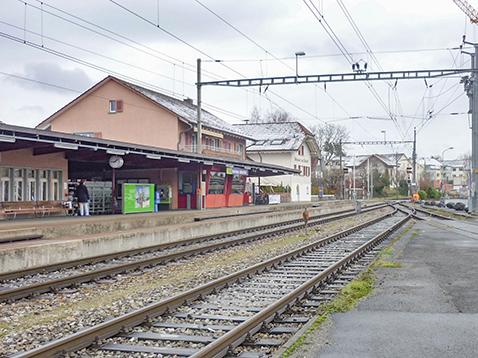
x: 274, y: 136
x: 360, y: 159
x: 455, y: 163
x: 186, y: 110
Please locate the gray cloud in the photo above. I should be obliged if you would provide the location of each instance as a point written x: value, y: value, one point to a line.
x: 49, y: 72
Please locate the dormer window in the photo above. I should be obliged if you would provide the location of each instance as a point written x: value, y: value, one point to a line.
x: 115, y: 106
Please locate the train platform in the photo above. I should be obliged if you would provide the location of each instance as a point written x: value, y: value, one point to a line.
x: 60, y: 239
x: 427, y: 307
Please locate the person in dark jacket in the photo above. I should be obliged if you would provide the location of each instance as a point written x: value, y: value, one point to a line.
x: 83, y: 198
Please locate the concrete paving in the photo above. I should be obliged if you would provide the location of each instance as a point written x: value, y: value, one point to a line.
x: 426, y: 308
x: 76, y: 238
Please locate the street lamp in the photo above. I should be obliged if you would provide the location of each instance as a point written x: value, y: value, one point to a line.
x: 297, y: 54
x: 443, y: 168
x: 384, y: 135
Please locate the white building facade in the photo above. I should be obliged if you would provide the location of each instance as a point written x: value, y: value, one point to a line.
x: 288, y: 144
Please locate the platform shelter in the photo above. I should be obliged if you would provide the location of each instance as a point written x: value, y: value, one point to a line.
x: 37, y: 166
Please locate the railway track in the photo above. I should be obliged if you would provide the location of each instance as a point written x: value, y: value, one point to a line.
x: 248, y: 313
x: 424, y: 213
x: 21, y: 284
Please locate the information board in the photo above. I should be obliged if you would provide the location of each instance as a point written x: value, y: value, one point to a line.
x: 138, y: 198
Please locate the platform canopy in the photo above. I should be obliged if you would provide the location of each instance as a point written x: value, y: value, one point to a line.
x: 88, y: 153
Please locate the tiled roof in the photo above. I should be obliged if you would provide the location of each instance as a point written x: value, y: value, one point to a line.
x: 274, y: 136
x: 186, y: 110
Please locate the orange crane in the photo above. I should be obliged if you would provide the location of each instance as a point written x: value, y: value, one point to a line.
x: 469, y: 10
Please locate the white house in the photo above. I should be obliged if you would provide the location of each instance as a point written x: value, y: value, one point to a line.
x: 289, y: 144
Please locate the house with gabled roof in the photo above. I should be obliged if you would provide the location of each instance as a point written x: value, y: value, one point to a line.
x: 119, y: 110
x: 289, y: 144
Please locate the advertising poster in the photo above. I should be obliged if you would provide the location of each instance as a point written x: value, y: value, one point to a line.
x: 138, y: 198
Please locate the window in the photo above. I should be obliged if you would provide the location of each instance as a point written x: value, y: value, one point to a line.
x: 260, y: 142
x: 31, y: 186
x: 238, y: 184
x: 115, y: 106
x: 212, y: 143
x: 5, y: 184
x: 239, y: 148
x: 56, y: 179
x: 277, y: 141
x: 18, y: 187
x: 43, y: 176
x: 216, y: 182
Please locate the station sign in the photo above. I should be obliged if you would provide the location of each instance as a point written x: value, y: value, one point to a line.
x: 236, y: 171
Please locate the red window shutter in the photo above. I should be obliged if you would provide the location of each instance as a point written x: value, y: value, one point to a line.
x: 119, y: 106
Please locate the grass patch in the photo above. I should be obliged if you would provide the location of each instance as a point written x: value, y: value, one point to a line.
x: 387, y: 264
x: 346, y: 300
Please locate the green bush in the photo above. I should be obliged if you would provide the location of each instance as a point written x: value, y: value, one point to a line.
x: 433, y: 193
x: 423, y: 194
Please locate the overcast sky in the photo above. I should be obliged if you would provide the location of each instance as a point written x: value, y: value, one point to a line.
x: 404, y: 35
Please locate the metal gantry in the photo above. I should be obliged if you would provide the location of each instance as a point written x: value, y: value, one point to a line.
x: 336, y: 77
x: 471, y: 86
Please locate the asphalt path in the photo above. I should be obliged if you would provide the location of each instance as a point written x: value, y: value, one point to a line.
x: 428, y: 307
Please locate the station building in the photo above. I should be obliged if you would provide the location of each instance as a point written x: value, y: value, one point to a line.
x: 154, y: 135
x: 288, y: 144
x: 36, y: 166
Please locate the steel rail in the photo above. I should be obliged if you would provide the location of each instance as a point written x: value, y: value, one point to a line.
x: 56, y: 284
x: 237, y: 335
x: 148, y: 249
x: 412, y: 213
x: 123, y: 323
x: 427, y: 212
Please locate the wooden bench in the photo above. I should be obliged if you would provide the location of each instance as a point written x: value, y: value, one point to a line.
x: 14, y: 209
x: 51, y: 207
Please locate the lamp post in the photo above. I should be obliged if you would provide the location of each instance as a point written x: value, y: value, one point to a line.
x: 297, y: 54
x: 443, y: 168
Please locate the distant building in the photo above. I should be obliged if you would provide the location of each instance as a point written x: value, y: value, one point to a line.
x: 289, y: 144
x: 362, y: 168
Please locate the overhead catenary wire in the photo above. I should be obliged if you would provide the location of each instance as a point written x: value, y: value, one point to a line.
x: 139, y: 16
x: 81, y: 91
x: 336, y: 40
x: 141, y: 68
x: 268, y: 52
x: 111, y: 36
x: 375, y: 60
x: 97, y: 67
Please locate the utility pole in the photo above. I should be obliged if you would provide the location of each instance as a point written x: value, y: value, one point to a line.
x: 200, y: 193
x: 414, y: 160
x: 342, y: 176
x: 199, y: 124
x: 471, y: 88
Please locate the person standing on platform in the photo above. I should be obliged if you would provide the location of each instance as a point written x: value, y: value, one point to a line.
x: 83, y: 198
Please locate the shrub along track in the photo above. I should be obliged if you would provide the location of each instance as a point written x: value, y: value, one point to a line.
x: 22, y: 284
x: 270, y: 289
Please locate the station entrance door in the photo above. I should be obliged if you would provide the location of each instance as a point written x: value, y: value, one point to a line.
x: 187, y: 189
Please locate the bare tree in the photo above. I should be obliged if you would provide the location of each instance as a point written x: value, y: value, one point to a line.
x: 256, y: 115
x: 328, y: 137
x: 276, y: 116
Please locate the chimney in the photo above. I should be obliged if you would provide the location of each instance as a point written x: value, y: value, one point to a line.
x: 188, y: 101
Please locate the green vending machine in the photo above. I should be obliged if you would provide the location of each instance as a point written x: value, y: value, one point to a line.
x: 138, y: 198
